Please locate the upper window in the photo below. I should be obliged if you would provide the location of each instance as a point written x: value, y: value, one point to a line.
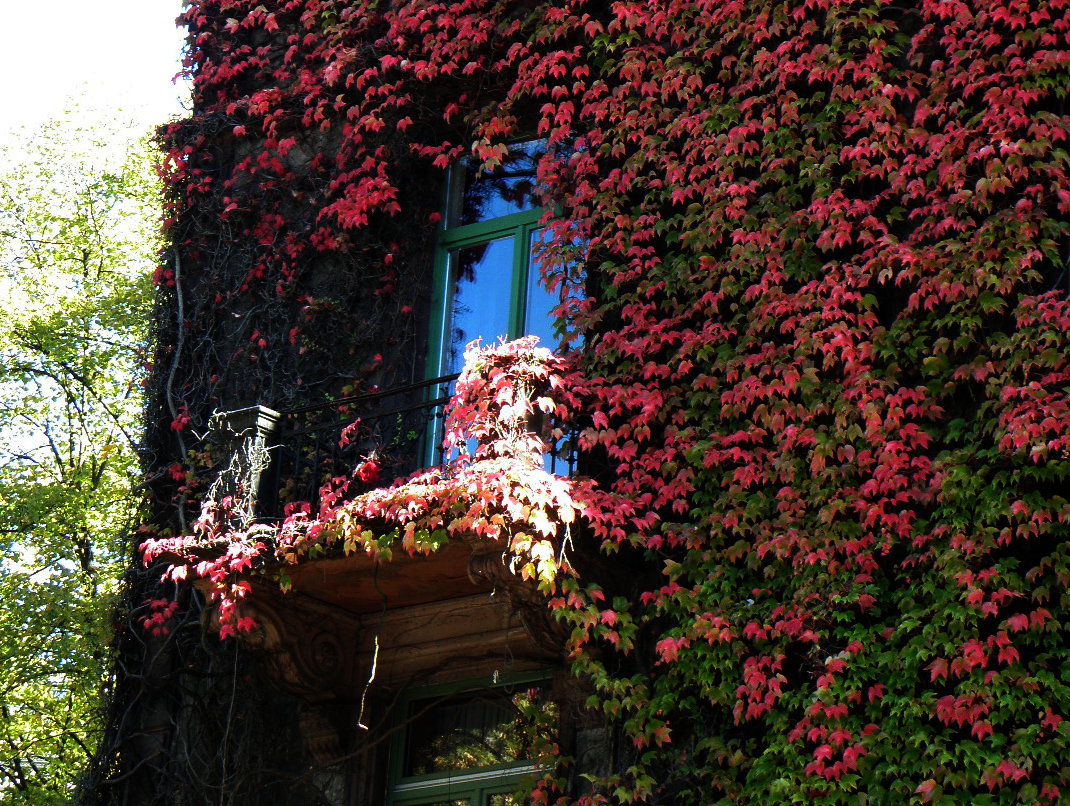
x: 488, y: 275
x: 468, y: 747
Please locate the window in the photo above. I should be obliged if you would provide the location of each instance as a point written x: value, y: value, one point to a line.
x: 468, y: 746
x: 487, y: 282
x: 487, y: 277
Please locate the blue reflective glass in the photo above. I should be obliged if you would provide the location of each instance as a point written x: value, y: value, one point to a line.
x: 480, y: 284
x: 539, y: 302
x: 508, y: 188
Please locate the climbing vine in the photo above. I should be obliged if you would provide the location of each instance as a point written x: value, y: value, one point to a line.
x: 824, y: 369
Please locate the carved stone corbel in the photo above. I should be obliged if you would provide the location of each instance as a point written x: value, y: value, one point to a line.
x: 307, y: 648
x: 494, y: 568
x: 499, y: 570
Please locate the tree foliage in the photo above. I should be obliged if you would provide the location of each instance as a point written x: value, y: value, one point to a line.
x: 825, y: 345
x: 77, y: 237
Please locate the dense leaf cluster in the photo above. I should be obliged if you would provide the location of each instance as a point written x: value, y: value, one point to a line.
x: 825, y: 344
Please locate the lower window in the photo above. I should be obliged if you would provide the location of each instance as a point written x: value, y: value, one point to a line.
x: 470, y: 745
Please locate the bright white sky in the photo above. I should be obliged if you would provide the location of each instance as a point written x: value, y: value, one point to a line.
x: 115, y: 54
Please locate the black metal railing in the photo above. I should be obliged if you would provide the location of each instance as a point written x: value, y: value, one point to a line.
x: 387, y: 435
x: 397, y: 429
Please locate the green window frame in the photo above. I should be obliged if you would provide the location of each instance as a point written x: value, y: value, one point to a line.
x: 519, y: 302
x: 448, y: 704
x: 518, y: 228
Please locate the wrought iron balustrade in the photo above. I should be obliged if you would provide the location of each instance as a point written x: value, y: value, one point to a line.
x: 397, y: 429
x: 370, y: 440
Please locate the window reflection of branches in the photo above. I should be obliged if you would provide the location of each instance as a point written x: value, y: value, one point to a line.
x: 501, y: 271
x: 507, y: 188
x: 472, y: 747
x: 480, y: 729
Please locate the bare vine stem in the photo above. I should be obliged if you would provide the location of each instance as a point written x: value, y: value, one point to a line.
x: 226, y: 730
x: 375, y: 655
x: 179, y: 338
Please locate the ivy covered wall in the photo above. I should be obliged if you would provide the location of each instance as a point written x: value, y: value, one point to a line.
x: 824, y: 346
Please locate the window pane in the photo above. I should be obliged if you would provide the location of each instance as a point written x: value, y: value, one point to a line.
x: 539, y: 320
x: 539, y: 303
x: 480, y: 280
x: 510, y: 188
x: 472, y: 730
x: 502, y: 799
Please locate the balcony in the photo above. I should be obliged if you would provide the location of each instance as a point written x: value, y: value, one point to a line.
x: 437, y: 606
x: 324, y: 613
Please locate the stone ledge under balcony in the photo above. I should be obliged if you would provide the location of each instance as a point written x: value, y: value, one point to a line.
x: 443, y: 616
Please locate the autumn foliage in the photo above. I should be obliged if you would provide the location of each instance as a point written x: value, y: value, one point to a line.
x: 825, y: 350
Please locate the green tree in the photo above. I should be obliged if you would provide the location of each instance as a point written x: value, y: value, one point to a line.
x: 77, y: 241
